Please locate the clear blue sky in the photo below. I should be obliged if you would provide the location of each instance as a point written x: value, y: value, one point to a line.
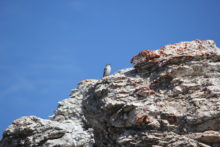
x: 48, y: 46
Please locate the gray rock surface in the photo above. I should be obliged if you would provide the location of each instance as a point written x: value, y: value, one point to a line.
x: 171, y: 98
x: 66, y: 128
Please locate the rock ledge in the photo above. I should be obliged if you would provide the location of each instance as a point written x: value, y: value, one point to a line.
x: 171, y: 98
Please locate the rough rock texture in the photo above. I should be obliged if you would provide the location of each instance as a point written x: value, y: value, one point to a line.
x: 66, y: 128
x: 171, y: 98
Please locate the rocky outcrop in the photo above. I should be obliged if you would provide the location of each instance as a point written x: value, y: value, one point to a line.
x: 171, y: 98
x: 66, y: 128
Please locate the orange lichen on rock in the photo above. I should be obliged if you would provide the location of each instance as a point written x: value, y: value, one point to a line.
x: 142, y: 119
x: 174, y: 53
x: 144, y: 91
x: 123, y: 91
x: 165, y: 75
x: 145, y: 55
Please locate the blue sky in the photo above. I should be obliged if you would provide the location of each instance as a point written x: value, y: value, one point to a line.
x: 48, y: 46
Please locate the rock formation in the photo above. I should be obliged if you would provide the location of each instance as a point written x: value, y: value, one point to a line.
x: 171, y: 98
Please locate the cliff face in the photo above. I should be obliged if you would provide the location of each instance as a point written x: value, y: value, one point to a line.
x: 171, y: 98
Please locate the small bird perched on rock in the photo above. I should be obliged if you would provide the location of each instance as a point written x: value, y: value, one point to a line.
x: 107, y: 70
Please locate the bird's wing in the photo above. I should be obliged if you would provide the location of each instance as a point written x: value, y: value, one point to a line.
x: 104, y: 71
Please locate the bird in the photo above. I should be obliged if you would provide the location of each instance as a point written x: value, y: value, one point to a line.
x: 107, y: 70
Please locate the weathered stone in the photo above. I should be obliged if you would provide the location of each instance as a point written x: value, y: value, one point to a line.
x: 66, y: 128
x: 147, y: 60
x: 171, y: 98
